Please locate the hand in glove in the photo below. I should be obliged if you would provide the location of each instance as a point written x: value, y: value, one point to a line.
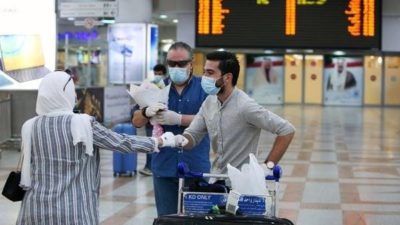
x: 168, y: 117
x: 153, y: 109
x: 171, y: 140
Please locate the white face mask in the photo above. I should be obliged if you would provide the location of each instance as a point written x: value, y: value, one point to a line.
x: 178, y: 75
x: 209, y: 85
x: 157, y: 78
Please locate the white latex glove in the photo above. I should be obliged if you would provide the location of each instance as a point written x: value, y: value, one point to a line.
x: 170, y: 140
x: 153, y: 109
x: 168, y: 117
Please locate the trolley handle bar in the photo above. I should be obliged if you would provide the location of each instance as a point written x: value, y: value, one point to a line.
x: 184, y: 171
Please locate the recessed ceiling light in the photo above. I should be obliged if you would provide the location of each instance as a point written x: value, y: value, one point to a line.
x: 175, y: 20
x: 221, y: 49
x: 268, y: 51
x: 339, y: 53
x: 167, y: 41
x: 71, y: 18
x: 108, y: 21
x: 163, y: 16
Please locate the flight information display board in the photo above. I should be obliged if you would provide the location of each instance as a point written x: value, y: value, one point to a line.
x: 316, y: 24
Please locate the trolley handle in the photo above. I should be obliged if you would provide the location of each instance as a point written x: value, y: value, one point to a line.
x: 184, y: 171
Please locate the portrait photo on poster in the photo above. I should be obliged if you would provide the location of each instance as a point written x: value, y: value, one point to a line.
x: 343, y: 80
x: 264, y: 78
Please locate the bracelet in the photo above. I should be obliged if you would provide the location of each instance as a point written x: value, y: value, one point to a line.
x: 144, y: 112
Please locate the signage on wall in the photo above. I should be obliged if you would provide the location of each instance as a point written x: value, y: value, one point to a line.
x: 347, y: 24
x: 88, y: 23
x: 88, y: 9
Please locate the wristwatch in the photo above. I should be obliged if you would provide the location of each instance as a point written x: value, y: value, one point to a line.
x: 270, y: 165
x: 143, y: 110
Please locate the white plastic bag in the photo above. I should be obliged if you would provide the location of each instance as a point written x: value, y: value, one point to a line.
x: 250, y: 180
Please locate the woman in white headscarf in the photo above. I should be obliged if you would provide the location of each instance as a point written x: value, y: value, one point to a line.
x: 60, y: 171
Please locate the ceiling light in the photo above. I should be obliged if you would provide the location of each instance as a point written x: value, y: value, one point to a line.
x: 163, y: 16
x: 339, y: 53
x: 107, y: 21
x: 268, y: 51
x: 71, y: 18
x: 167, y: 41
x: 175, y: 20
x: 221, y: 50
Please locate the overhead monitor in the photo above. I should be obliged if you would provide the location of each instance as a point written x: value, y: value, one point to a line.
x: 314, y: 24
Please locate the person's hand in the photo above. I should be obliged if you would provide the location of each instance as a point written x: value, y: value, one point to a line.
x: 153, y: 109
x: 268, y: 169
x: 168, y: 117
x: 171, y: 140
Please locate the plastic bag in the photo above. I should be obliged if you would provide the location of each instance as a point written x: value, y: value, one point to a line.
x: 250, y: 180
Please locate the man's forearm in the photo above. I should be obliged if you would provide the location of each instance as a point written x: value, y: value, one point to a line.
x: 186, y: 120
x: 279, y: 148
x: 190, y: 144
x: 138, y: 120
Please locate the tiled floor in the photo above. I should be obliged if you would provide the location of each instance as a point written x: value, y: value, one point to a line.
x: 343, y: 168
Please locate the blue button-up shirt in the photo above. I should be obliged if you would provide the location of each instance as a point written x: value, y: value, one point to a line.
x: 164, y: 163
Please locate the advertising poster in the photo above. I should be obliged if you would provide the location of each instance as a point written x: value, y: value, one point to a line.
x: 21, y: 51
x: 343, y: 80
x: 127, y: 52
x: 264, y: 78
x: 152, y: 46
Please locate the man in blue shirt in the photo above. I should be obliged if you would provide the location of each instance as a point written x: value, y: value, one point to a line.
x: 185, y: 99
x: 160, y: 72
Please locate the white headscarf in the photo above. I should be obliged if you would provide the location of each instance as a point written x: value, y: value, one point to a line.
x: 56, y: 96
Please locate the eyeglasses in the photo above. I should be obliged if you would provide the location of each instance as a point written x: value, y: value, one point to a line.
x: 181, y: 63
x: 69, y: 79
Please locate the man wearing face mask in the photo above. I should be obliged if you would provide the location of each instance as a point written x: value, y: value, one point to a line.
x: 184, y: 101
x: 160, y: 72
x: 232, y: 119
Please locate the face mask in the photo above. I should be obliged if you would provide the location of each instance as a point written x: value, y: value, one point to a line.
x: 208, y: 85
x: 157, y: 78
x: 178, y: 75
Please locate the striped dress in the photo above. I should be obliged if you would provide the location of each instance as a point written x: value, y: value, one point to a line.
x: 65, y: 180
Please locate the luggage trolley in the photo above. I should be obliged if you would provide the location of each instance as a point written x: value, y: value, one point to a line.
x: 201, y: 202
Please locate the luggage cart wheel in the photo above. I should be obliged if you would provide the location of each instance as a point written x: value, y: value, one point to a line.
x: 130, y: 174
x: 116, y: 174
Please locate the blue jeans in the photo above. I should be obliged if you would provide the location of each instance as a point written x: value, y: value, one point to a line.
x: 148, y: 160
x: 166, y: 194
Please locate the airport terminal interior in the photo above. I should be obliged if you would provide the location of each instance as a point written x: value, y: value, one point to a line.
x: 339, y: 85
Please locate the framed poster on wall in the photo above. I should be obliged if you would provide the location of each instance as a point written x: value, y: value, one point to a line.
x: 264, y: 78
x: 127, y: 52
x: 343, y: 80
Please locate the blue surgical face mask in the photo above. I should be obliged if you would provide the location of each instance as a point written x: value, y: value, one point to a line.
x: 208, y: 85
x: 157, y: 78
x: 178, y: 75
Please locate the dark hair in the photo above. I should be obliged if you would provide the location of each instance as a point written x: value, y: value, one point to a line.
x: 228, y: 63
x: 160, y: 67
x: 182, y: 45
